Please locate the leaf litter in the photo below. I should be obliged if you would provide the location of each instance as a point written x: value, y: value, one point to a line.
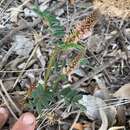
x: 39, y: 39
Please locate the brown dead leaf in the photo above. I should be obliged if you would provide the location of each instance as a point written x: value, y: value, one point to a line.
x: 80, y: 126
x: 118, y: 8
x: 123, y: 92
x: 72, y: 2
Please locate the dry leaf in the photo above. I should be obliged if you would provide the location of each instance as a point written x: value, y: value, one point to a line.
x: 72, y: 2
x: 41, y: 58
x: 123, y: 92
x: 78, y: 126
x: 14, y: 11
x: 102, y: 91
x: 93, y: 105
x: 22, y: 45
x: 113, y: 8
x: 94, y: 43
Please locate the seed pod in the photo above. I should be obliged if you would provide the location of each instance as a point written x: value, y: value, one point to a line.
x: 68, y: 70
x: 84, y: 28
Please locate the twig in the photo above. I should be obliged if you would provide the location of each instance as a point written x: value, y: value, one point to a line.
x: 9, y: 98
x: 25, y: 67
x: 104, y: 119
x: 123, y: 40
x: 19, y: 71
x: 117, y: 128
x: 6, y: 6
x: 8, y: 106
x: 105, y: 71
x: 76, y: 119
x: 21, y: 27
x: 122, y: 20
x: 5, y: 58
x: 34, y: 50
x: 91, y: 75
x: 1, y: 2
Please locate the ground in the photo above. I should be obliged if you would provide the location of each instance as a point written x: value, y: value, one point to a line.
x: 67, y: 62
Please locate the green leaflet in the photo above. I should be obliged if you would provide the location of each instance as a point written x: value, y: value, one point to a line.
x: 41, y: 98
x: 54, y: 24
x: 68, y: 46
x: 70, y: 96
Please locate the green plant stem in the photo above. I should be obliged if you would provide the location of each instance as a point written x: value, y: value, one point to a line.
x: 51, y: 64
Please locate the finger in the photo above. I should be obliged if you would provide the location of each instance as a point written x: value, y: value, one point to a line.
x: 4, y: 114
x: 26, y: 122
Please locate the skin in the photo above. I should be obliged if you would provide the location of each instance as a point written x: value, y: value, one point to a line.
x: 26, y: 121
